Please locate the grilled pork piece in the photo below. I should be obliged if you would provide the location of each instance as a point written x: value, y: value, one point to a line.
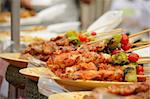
x: 134, y: 91
x: 55, y: 46
x: 74, y: 57
x: 89, y: 71
x: 94, y: 47
x: 43, y: 49
x: 130, y: 89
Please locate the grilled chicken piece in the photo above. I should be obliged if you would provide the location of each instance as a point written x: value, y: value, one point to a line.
x: 130, y: 89
x: 43, y: 49
x: 95, y: 47
x: 49, y: 47
x: 74, y: 58
x: 89, y: 71
x: 55, y: 46
x: 63, y: 60
x: 61, y: 40
x: 121, y: 92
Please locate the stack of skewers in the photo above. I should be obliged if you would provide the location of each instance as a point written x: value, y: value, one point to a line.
x: 92, y: 56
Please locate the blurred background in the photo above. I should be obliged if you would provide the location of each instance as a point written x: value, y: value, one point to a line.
x: 47, y: 18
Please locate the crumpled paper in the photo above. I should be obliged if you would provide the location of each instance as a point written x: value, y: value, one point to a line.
x: 33, y: 62
x: 46, y: 85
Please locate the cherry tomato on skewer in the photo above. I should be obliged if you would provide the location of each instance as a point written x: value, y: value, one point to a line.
x: 93, y: 33
x: 141, y: 79
x: 124, y: 39
x: 140, y: 70
x: 133, y: 57
x: 83, y: 38
x: 126, y: 47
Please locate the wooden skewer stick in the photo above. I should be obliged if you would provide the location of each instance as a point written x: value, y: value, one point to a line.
x: 107, y: 35
x: 143, y: 61
x: 104, y: 36
x: 147, y: 76
x: 140, y: 43
x: 110, y: 34
x: 117, y: 31
x: 145, y: 57
x: 146, y: 69
x: 139, y: 33
x: 137, y: 48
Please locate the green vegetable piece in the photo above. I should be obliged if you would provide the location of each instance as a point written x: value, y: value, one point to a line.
x: 133, y: 64
x: 71, y: 38
x: 71, y: 33
x: 120, y: 58
x: 130, y: 74
x: 115, y: 41
x: 117, y: 38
